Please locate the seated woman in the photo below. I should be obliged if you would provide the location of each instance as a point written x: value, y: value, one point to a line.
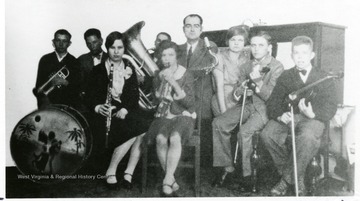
x: 227, y: 72
x: 126, y: 129
x: 175, y: 114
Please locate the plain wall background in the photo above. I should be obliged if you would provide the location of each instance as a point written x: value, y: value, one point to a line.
x: 30, y: 25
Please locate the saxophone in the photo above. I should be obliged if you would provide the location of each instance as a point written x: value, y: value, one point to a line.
x: 108, y: 102
x: 215, y: 61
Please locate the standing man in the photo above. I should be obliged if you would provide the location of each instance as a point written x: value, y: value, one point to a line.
x: 97, y: 161
x: 310, y: 115
x: 66, y: 91
x: 96, y: 55
x: 263, y: 70
x: 194, y: 56
x: 159, y: 38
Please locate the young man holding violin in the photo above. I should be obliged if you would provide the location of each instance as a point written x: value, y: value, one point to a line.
x: 263, y: 71
x: 310, y: 114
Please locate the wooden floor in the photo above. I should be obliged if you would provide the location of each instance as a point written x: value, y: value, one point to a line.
x: 95, y: 188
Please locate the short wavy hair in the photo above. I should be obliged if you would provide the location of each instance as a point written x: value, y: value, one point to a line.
x: 166, y: 44
x: 112, y: 37
x: 238, y: 30
x: 92, y: 32
x: 194, y: 15
x: 164, y: 33
x: 263, y: 34
x: 62, y: 32
x: 302, y: 40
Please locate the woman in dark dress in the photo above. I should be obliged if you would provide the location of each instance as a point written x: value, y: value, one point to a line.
x: 175, y: 114
x: 125, y: 131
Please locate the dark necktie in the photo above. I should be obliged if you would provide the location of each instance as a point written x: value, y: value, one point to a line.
x: 189, y: 54
x: 303, y: 72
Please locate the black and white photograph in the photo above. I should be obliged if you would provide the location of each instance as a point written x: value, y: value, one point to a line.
x: 233, y: 99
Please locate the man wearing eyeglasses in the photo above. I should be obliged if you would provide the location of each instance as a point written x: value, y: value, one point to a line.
x: 194, y: 56
x: 65, y: 90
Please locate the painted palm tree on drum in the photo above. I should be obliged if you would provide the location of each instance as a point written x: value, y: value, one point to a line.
x: 79, y: 144
x: 26, y: 130
x: 76, y: 135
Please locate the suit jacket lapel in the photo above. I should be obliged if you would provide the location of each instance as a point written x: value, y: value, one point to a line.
x: 104, y: 57
x: 297, y: 78
x: 89, y: 61
x: 198, y: 54
x: 313, y: 76
x: 182, y: 57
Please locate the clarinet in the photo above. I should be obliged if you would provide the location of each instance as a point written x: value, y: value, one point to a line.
x: 108, y: 102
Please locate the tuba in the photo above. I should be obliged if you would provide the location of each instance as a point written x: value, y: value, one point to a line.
x: 144, y: 65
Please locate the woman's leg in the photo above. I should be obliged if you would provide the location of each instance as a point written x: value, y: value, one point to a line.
x: 134, y: 158
x: 162, y: 149
x: 118, y: 154
x: 173, y: 157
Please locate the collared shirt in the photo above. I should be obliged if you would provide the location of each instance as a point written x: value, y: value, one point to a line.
x: 120, y: 74
x: 97, y: 60
x: 305, y: 77
x: 108, y: 64
x: 60, y: 58
x: 263, y: 62
x: 193, y: 46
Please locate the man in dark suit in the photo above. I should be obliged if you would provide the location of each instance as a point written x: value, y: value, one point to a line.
x: 94, y: 41
x: 195, y: 56
x: 66, y: 91
x: 310, y: 113
x: 96, y: 56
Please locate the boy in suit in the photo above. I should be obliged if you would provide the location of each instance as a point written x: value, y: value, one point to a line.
x: 96, y: 55
x: 66, y: 91
x: 309, y: 118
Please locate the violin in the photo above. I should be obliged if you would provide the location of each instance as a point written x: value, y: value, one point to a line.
x: 250, y: 84
x: 308, y: 91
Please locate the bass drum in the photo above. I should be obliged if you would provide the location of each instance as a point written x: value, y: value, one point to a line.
x: 51, y: 144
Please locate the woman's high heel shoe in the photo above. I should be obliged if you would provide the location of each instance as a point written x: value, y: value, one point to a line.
x: 170, y: 190
x: 175, y: 186
x: 167, y: 190
x: 111, y: 185
x: 125, y: 184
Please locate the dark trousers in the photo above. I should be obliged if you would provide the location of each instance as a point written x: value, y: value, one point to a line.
x: 277, y: 135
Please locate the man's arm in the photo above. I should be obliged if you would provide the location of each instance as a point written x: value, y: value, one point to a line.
x: 267, y: 88
x: 274, y: 104
x: 324, y: 104
x: 42, y: 75
x: 245, y: 70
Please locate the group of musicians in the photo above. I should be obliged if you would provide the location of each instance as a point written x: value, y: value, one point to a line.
x: 247, y: 86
